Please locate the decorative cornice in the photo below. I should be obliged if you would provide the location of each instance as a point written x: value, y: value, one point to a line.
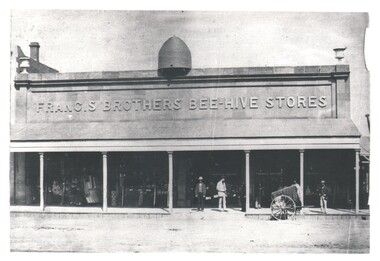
x: 140, y: 82
x: 204, y: 76
x: 22, y: 83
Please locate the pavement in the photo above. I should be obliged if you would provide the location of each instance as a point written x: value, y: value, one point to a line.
x: 184, y: 231
x: 316, y: 211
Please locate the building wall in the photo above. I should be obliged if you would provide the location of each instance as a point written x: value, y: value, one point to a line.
x: 123, y: 105
x: 216, y: 107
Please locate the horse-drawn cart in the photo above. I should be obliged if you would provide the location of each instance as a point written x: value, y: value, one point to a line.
x: 285, y: 202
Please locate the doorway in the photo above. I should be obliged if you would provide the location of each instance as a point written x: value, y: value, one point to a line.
x: 272, y: 170
x: 211, y: 165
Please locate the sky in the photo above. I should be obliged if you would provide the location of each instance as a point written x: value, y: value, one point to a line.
x: 77, y: 40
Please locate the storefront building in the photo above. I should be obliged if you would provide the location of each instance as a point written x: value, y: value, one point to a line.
x: 113, y: 142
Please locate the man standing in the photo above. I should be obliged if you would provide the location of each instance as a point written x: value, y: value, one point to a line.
x: 323, y: 193
x: 200, y: 193
x: 222, y: 194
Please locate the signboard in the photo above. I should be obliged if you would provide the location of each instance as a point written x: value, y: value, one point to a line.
x: 181, y: 104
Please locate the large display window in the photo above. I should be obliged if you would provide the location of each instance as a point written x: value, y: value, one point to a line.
x: 337, y: 169
x: 272, y: 170
x: 73, y: 179
x: 25, y: 179
x: 211, y: 166
x: 138, y: 179
x: 276, y: 169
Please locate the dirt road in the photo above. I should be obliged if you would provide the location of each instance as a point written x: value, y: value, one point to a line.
x: 197, y: 232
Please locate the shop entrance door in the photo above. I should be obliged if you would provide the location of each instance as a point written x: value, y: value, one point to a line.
x: 211, y: 166
x: 273, y: 170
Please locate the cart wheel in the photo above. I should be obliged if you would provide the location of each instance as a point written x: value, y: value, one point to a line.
x: 283, y: 207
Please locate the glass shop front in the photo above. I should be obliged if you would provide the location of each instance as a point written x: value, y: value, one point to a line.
x: 211, y: 166
x: 141, y: 180
x: 275, y: 169
x: 137, y: 180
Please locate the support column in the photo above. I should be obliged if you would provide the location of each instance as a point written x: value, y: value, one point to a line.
x: 247, y: 181
x: 105, y: 179
x: 170, y: 185
x: 42, y: 198
x: 302, y: 169
x: 357, y: 169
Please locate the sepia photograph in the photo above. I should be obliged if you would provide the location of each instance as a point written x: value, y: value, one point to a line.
x: 191, y: 131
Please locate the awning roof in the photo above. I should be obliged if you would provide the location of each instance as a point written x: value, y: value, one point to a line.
x: 185, y: 129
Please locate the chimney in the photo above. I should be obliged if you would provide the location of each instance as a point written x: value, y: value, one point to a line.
x: 35, y: 51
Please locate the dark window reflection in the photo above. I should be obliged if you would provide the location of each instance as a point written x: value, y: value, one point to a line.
x: 25, y: 179
x: 73, y: 179
x: 138, y: 179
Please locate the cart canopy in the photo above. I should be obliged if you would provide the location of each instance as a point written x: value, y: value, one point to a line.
x: 290, y: 191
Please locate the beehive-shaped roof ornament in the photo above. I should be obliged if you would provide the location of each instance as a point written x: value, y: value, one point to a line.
x: 174, y: 58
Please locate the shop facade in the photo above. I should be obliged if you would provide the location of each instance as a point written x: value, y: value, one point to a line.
x: 110, y: 142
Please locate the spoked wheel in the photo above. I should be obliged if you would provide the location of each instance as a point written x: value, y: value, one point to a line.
x: 283, y: 207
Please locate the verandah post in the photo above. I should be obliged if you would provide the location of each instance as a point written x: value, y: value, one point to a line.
x: 247, y: 180
x: 357, y: 168
x: 302, y: 175
x: 42, y: 199
x: 170, y: 185
x: 105, y: 177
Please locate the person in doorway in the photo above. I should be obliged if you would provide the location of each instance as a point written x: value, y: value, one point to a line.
x: 260, y: 195
x: 222, y: 194
x: 242, y: 197
x: 200, y: 193
x: 323, y: 192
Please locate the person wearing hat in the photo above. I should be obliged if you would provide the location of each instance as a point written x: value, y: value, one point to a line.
x: 200, y: 193
x: 323, y: 193
x: 222, y: 194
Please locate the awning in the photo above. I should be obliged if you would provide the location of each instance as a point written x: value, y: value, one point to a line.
x: 185, y: 129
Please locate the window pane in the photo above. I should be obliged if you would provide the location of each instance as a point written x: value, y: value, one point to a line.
x: 73, y: 179
x: 138, y: 179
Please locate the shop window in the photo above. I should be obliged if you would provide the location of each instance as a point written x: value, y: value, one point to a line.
x: 25, y: 179
x: 138, y: 180
x: 73, y: 179
x: 336, y: 168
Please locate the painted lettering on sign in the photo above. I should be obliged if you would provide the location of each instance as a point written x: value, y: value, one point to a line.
x: 192, y: 104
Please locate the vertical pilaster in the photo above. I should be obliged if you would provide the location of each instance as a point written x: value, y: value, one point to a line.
x: 357, y: 168
x: 343, y: 98
x: 12, y: 177
x: 105, y: 179
x: 170, y: 185
x: 302, y: 169
x: 42, y: 198
x: 20, y: 108
x: 247, y: 180
x: 333, y: 100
